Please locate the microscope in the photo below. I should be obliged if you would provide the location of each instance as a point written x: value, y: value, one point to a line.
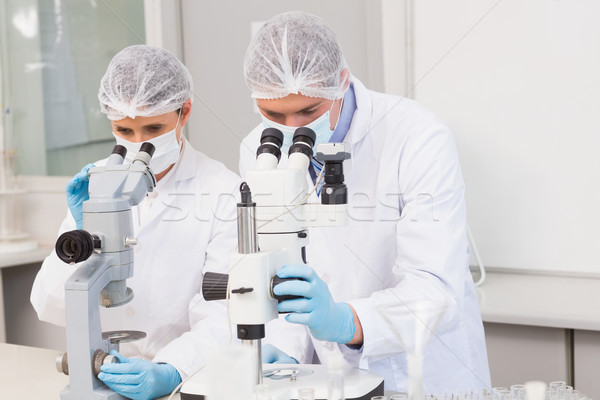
x: 273, y: 219
x: 105, y: 244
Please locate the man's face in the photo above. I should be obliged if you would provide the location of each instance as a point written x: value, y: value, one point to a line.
x: 298, y: 110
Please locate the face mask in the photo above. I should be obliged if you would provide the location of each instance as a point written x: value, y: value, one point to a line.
x: 321, y: 127
x: 166, y: 153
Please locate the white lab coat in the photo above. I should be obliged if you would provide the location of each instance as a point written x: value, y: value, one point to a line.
x: 187, y: 229
x: 405, y: 241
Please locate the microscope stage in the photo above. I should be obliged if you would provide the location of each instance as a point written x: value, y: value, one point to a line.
x: 284, y: 380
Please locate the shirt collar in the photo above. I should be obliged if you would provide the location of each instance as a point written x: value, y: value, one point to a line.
x: 345, y: 120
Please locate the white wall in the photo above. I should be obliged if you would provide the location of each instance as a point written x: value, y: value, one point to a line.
x: 518, y: 82
x: 215, y: 37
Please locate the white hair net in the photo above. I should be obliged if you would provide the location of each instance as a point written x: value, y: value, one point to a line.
x: 143, y: 81
x: 295, y: 52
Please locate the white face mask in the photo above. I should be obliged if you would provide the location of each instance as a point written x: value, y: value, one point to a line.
x: 167, y: 150
x: 321, y: 127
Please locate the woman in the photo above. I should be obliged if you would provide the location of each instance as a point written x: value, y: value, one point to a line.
x: 185, y: 227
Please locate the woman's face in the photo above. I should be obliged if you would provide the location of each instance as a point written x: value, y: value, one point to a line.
x: 142, y: 129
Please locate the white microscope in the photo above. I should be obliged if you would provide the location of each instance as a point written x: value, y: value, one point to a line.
x: 105, y: 244
x: 275, y: 199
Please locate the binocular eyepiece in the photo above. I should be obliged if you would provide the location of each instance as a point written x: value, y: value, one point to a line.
x: 119, y: 152
x: 271, y: 141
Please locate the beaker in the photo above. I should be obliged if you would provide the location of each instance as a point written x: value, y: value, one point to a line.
x: 306, y: 394
x: 262, y: 392
x: 412, y: 323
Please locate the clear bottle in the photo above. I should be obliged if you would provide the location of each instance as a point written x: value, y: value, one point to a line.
x: 335, y: 377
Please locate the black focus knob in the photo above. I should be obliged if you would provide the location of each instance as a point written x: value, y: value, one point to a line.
x: 276, y: 281
x: 214, y: 286
x: 76, y: 246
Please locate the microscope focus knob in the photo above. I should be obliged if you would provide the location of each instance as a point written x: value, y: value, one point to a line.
x: 276, y: 280
x: 76, y: 246
x: 214, y: 286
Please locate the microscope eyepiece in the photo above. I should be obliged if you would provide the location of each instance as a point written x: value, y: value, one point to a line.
x: 120, y: 150
x: 148, y: 148
x: 304, y: 140
x: 145, y: 153
x: 76, y: 246
x: 270, y: 142
x: 272, y: 135
x: 305, y: 135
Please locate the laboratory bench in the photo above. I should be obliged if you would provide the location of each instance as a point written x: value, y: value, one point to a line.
x: 542, y: 327
x: 29, y: 373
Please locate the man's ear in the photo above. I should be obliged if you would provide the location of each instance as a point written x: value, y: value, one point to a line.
x: 186, y: 110
x: 345, y: 78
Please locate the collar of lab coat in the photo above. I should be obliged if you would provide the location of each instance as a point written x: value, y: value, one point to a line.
x: 184, y: 169
x: 361, y: 121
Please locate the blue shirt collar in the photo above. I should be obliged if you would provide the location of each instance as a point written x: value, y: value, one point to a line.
x: 348, y: 108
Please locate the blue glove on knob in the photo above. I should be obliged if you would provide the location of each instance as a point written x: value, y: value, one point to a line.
x: 77, y: 193
x: 326, y: 319
x: 139, y: 379
x: 272, y: 355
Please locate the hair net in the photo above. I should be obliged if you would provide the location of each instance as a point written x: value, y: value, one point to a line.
x: 295, y: 52
x: 143, y: 81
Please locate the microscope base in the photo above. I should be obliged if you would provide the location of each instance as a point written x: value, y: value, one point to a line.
x: 98, y: 394
x: 358, y: 384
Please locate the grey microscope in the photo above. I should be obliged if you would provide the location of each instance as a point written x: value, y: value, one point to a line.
x: 105, y: 248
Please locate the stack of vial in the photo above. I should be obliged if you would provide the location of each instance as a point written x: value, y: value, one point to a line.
x: 558, y: 390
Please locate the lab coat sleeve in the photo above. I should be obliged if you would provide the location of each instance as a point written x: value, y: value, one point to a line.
x: 210, y: 328
x: 432, y: 251
x: 48, y: 291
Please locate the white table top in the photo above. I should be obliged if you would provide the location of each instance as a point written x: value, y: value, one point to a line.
x: 541, y: 300
x: 30, y: 257
x: 29, y: 373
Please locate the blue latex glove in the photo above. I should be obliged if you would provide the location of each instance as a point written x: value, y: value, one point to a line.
x: 272, y: 355
x: 77, y: 193
x: 326, y: 319
x: 139, y: 379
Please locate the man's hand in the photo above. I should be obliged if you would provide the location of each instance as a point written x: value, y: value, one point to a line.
x: 326, y: 319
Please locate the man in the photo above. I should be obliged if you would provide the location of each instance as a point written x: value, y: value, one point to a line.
x: 403, y: 258
x: 184, y: 227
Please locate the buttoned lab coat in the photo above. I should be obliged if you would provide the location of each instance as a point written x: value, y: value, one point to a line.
x: 190, y: 228
x: 405, y: 242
